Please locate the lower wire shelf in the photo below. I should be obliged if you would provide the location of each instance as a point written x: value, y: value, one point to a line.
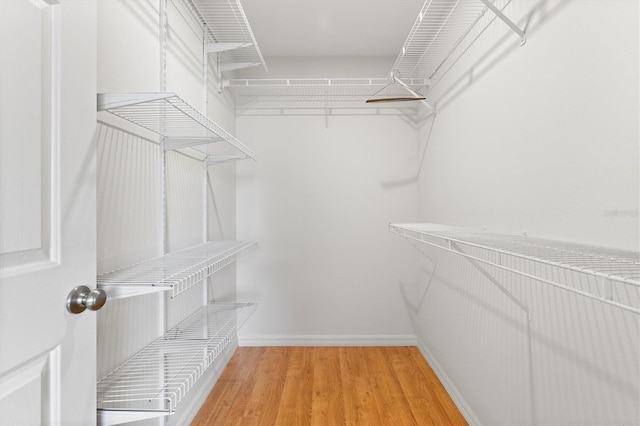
x: 152, y: 382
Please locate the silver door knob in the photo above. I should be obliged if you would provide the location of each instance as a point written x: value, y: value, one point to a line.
x: 82, y: 297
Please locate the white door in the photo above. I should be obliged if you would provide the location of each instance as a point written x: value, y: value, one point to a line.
x: 47, y: 210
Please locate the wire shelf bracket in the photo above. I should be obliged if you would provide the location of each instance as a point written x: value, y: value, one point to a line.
x: 152, y: 382
x: 169, y: 116
x: 175, y: 272
x: 212, y: 160
x: 423, y: 101
x: 617, y: 272
x: 506, y: 20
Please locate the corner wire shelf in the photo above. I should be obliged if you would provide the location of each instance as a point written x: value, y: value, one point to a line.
x: 617, y: 271
x: 438, y: 30
x: 152, y: 382
x: 325, y: 95
x: 228, y: 33
x: 169, y: 116
x: 175, y: 272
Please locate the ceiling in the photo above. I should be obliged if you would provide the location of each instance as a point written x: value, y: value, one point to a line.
x: 331, y: 27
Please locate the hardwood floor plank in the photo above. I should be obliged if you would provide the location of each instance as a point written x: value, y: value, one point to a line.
x: 425, y: 393
x: 229, y: 387
x: 264, y: 403
x: 326, y: 386
x: 453, y: 415
x: 297, y: 394
x: 359, y: 401
x: 392, y: 403
x: 247, y: 384
x: 327, y: 405
x: 416, y: 388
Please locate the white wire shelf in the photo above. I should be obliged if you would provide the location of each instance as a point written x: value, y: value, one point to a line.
x: 228, y: 33
x: 175, y: 272
x: 320, y: 93
x: 439, y: 29
x: 152, y: 382
x: 616, y: 272
x: 167, y: 115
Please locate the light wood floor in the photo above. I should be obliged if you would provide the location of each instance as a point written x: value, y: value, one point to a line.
x: 328, y: 386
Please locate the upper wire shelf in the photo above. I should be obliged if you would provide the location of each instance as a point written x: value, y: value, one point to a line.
x: 608, y: 265
x: 315, y: 93
x: 169, y: 116
x: 176, y: 271
x: 228, y: 33
x: 152, y: 382
x: 438, y: 30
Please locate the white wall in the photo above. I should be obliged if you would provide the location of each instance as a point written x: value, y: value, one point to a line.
x: 318, y: 201
x: 542, y: 139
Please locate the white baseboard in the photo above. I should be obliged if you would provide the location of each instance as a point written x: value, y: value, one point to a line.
x: 327, y: 340
x: 451, y: 389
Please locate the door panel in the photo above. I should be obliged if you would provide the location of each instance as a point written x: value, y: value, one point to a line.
x: 31, y: 386
x: 47, y: 210
x: 27, y: 106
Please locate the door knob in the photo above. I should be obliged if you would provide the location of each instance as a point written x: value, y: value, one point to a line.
x: 82, y: 297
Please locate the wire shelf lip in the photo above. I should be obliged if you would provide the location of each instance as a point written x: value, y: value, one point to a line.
x: 232, y: 66
x: 169, y: 116
x: 161, y: 376
x: 614, y: 265
x: 108, y: 101
x: 222, y: 47
x: 318, y: 82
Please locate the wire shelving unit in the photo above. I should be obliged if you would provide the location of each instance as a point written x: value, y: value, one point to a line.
x: 438, y: 30
x: 616, y: 272
x: 169, y: 116
x: 152, y: 382
x: 175, y: 272
x: 321, y: 94
x: 228, y: 33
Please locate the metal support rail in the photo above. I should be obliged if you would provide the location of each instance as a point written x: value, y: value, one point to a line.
x: 167, y: 115
x: 152, y: 382
x: 609, y: 266
x: 175, y: 272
